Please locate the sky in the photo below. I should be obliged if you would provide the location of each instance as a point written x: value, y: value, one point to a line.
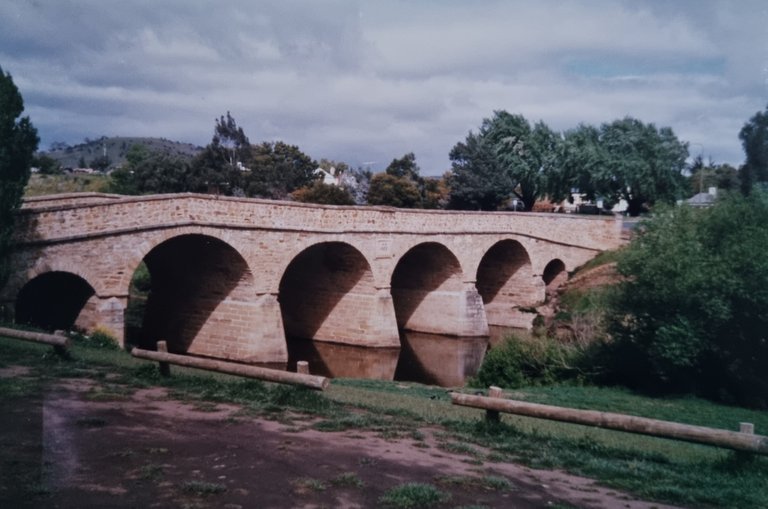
x: 365, y: 82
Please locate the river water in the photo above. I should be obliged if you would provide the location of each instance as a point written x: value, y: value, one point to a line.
x: 434, y: 359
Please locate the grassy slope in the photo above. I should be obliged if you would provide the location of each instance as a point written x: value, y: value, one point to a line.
x: 40, y: 185
x: 117, y: 148
x: 649, y: 467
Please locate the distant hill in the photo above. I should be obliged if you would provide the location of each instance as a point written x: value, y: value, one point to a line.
x: 69, y: 156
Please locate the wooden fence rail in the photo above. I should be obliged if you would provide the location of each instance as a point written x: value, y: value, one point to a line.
x: 744, y: 440
x: 271, y: 375
x: 58, y: 340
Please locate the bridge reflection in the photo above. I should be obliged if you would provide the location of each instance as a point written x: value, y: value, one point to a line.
x: 433, y: 359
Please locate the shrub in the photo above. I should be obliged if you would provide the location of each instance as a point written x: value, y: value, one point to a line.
x: 521, y: 362
x: 98, y: 338
x: 692, y: 314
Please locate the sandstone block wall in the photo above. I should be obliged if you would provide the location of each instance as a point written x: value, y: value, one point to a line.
x: 232, y: 277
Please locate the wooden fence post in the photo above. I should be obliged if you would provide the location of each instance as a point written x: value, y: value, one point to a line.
x: 61, y: 350
x: 165, y: 367
x: 747, y: 427
x: 493, y: 415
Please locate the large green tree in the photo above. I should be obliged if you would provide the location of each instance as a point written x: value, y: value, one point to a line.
x: 507, y: 159
x: 386, y: 189
x: 529, y: 154
x: 754, y: 139
x: 692, y: 311
x: 639, y: 163
x: 477, y: 180
x: 582, y: 158
x: 277, y: 169
x: 399, y: 186
x: 219, y: 167
x: 18, y: 143
x: 150, y: 172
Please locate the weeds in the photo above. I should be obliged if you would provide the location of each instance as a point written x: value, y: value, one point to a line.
x: 487, y: 483
x: 151, y: 472
x: 202, y: 488
x: 308, y: 484
x: 348, y: 479
x: 413, y: 495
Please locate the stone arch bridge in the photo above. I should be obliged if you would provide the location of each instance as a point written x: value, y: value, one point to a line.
x: 233, y: 278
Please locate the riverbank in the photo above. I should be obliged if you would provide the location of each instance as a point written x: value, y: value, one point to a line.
x: 106, y: 429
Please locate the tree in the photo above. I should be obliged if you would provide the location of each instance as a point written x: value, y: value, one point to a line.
x: 528, y: 154
x: 399, y: 186
x: 101, y: 163
x: 582, y: 157
x: 507, y: 158
x: 219, y: 167
x: 18, y: 143
x: 436, y: 192
x: 148, y: 172
x: 639, y: 163
x: 46, y: 164
x: 477, y: 180
x: 754, y: 139
x: 692, y: 311
x: 277, y: 169
x: 710, y: 174
x: 386, y: 189
x: 326, y: 194
x: 405, y: 167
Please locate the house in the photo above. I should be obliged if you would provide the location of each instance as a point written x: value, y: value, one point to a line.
x: 703, y: 199
x: 329, y: 177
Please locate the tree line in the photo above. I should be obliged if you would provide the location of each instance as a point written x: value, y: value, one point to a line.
x: 508, y: 162
x: 690, y: 314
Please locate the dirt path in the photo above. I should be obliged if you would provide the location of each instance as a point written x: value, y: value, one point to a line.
x: 67, y: 450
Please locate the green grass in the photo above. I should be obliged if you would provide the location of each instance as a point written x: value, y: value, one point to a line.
x: 487, y: 483
x: 604, y: 258
x: 413, y: 495
x: 652, y: 468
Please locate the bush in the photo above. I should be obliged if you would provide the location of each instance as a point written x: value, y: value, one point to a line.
x: 692, y: 314
x: 539, y: 361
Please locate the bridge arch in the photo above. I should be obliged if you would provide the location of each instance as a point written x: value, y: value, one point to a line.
x: 428, y: 291
x: 53, y: 300
x: 200, y: 298
x: 554, y: 275
x: 148, y: 241
x: 506, y: 283
x: 327, y: 293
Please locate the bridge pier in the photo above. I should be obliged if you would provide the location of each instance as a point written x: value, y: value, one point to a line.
x: 452, y: 313
x: 104, y: 312
x: 512, y: 306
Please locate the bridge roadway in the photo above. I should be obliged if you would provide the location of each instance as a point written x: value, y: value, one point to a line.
x: 233, y: 278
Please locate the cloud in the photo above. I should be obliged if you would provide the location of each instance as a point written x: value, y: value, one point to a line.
x: 371, y: 81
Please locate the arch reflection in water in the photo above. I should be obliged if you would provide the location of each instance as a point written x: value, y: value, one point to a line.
x: 425, y: 358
